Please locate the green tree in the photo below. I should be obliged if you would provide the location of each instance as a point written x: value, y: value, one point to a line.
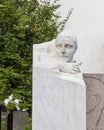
x: 22, y: 24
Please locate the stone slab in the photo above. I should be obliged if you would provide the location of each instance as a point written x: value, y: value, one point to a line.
x: 95, y: 101
x: 59, y: 101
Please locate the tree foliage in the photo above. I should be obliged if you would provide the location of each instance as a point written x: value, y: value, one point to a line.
x: 22, y: 24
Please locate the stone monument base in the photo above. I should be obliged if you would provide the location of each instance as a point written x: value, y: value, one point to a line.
x: 59, y: 100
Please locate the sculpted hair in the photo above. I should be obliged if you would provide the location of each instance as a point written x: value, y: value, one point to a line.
x: 69, y: 35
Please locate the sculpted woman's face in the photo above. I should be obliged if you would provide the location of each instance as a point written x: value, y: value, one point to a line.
x: 65, y: 48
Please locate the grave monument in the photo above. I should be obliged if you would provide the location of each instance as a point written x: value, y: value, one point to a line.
x: 59, y: 91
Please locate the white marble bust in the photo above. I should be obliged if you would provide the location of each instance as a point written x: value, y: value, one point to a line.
x: 58, y: 54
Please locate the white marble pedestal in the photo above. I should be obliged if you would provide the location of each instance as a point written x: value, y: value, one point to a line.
x: 59, y: 101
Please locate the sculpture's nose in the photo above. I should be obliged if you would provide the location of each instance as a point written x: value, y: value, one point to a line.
x: 63, y: 51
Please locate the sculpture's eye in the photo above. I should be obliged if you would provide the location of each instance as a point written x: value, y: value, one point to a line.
x: 68, y: 46
x: 59, y: 46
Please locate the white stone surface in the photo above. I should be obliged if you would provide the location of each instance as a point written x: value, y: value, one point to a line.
x: 87, y: 22
x: 59, y: 100
x: 59, y: 92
